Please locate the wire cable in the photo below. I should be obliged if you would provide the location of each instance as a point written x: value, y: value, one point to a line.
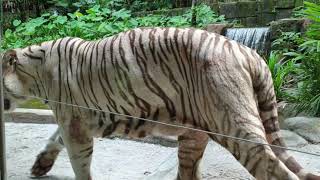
x: 172, y: 125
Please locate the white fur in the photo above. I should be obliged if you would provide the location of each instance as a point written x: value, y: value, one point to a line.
x: 13, y: 83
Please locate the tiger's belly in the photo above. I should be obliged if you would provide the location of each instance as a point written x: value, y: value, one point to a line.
x: 147, y: 130
x: 103, y: 126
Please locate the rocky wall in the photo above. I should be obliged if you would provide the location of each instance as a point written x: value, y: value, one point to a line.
x: 249, y: 13
x: 254, y: 13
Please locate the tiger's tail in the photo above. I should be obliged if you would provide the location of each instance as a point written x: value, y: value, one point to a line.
x: 263, y: 87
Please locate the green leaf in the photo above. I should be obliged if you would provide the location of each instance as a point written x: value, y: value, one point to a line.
x: 97, y: 18
x: 101, y: 27
x: 8, y: 33
x: 46, y: 15
x: 110, y: 28
x: 94, y: 10
x: 61, y: 20
x: 122, y: 14
x: 310, y: 42
x: 51, y: 26
x: 72, y: 16
x: 294, y: 54
x: 106, y: 11
x: 78, y: 14
x: 30, y: 30
x: 16, y: 22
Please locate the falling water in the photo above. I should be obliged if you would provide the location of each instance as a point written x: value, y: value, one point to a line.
x: 255, y: 38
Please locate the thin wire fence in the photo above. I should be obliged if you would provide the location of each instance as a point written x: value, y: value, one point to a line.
x: 171, y: 125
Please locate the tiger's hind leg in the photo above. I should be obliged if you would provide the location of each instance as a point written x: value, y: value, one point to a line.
x: 270, y: 121
x: 46, y: 158
x: 191, y: 148
x: 269, y: 115
x: 259, y: 160
x: 233, y: 111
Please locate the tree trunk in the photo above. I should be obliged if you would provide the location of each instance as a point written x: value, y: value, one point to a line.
x: 194, y: 13
x: 20, y: 9
x: 182, y: 3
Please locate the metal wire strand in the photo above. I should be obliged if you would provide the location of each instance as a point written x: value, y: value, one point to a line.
x: 172, y: 125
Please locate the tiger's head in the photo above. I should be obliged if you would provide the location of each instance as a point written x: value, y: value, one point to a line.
x: 19, y: 73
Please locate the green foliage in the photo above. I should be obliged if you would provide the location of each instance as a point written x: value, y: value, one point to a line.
x: 66, y: 6
x: 304, y: 51
x: 142, y: 5
x: 308, y: 96
x: 33, y: 104
x: 206, y: 16
x: 287, y: 42
x: 313, y: 13
x: 282, y: 72
x: 96, y: 22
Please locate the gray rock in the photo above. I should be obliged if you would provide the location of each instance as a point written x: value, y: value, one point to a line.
x: 21, y: 115
x: 284, y: 4
x: 307, y: 127
x: 287, y: 25
x: 292, y: 139
x: 282, y: 114
x: 218, y: 28
x: 238, y: 9
x: 285, y: 111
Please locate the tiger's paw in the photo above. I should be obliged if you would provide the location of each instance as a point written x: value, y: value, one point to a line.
x: 43, y: 163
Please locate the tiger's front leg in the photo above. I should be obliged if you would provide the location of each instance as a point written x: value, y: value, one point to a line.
x: 46, y: 158
x: 79, y: 144
x: 191, y: 148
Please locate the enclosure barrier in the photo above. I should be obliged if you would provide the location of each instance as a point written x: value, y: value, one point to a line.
x: 3, y: 170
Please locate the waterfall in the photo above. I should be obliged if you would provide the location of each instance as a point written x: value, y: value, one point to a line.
x: 255, y: 38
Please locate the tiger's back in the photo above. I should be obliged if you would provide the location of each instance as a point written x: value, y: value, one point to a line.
x: 151, y: 72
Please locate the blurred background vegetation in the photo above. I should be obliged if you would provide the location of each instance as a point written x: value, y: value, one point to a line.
x: 295, y: 63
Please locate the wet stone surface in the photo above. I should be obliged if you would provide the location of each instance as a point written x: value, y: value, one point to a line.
x: 118, y: 159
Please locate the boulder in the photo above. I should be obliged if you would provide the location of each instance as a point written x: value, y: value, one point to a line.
x: 307, y: 127
x: 283, y: 13
x: 284, y: 4
x: 293, y: 139
x: 21, y: 115
x: 238, y: 9
x: 218, y: 28
x: 288, y: 110
x: 288, y: 25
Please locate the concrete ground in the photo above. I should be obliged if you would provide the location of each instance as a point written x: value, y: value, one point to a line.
x: 119, y: 159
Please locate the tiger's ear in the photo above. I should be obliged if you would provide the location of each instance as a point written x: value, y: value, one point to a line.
x: 10, y: 57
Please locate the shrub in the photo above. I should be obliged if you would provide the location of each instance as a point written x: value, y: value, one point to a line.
x: 95, y: 23
x: 282, y: 74
x: 306, y: 54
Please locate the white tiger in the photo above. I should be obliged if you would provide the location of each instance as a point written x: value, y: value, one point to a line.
x: 180, y: 76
